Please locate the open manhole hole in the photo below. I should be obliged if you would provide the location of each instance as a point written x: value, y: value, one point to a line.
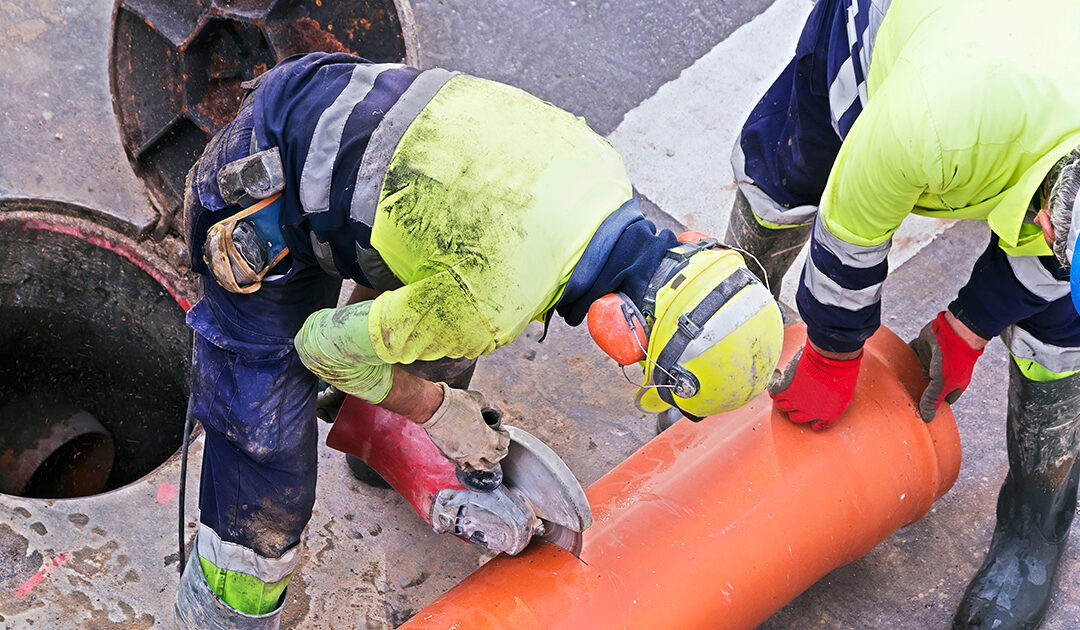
x: 95, y: 359
x: 176, y: 67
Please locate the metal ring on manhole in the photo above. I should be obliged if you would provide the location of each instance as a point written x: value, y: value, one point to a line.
x: 96, y: 355
x: 176, y: 68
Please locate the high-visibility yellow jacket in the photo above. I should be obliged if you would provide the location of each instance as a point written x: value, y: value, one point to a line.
x: 487, y: 203
x: 970, y: 104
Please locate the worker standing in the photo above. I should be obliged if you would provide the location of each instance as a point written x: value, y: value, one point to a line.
x: 465, y: 209
x: 957, y: 109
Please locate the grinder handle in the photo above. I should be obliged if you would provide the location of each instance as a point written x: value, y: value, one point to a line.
x: 481, y: 481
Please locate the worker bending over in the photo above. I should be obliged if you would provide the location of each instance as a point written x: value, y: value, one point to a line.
x: 956, y: 109
x: 469, y: 209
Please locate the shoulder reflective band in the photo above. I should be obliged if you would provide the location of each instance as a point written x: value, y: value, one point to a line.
x: 690, y: 326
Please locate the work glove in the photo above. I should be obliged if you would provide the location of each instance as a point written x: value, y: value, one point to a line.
x: 328, y: 401
x: 459, y: 431
x: 815, y: 389
x: 948, y: 359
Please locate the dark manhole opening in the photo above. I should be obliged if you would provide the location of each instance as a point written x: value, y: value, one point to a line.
x: 93, y: 368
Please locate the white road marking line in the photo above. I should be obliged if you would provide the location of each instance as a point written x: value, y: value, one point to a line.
x: 676, y: 144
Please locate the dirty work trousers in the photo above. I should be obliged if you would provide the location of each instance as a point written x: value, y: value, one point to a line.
x: 255, y: 401
x: 786, y: 150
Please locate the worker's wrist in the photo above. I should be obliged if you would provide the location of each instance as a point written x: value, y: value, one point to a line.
x: 831, y: 339
x: 413, y: 397
x: 836, y: 356
x: 970, y: 337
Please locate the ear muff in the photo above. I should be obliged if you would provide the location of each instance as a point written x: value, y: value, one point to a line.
x: 618, y: 327
x: 693, y: 237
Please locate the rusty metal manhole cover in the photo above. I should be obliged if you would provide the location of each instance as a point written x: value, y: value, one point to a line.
x: 176, y: 68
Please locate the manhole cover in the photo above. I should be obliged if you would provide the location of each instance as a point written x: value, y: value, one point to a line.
x: 176, y: 68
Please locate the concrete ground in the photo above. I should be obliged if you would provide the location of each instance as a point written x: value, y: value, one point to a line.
x: 668, y: 83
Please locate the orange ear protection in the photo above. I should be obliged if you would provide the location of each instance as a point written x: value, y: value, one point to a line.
x: 693, y: 237
x: 619, y: 327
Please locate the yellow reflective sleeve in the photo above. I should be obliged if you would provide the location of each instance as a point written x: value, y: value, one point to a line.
x: 432, y: 318
x: 335, y: 345
x: 888, y: 160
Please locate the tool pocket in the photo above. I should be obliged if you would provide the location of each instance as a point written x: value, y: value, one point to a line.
x: 242, y: 248
x: 253, y: 347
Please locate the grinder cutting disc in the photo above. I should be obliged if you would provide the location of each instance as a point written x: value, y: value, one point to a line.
x: 543, y: 480
x: 562, y: 537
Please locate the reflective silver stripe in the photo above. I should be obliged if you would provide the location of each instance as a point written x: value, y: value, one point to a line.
x: 827, y: 291
x: 763, y: 206
x: 842, y: 93
x: 384, y: 141
x: 844, y: 88
x: 860, y: 256
x: 1024, y: 345
x: 231, y: 556
x: 877, y: 10
x: 326, y: 140
x: 1035, y: 278
x: 748, y: 302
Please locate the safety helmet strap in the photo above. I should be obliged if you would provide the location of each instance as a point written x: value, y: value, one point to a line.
x: 673, y: 261
x: 668, y: 372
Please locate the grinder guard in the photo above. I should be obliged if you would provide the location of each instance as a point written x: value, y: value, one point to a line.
x: 539, y: 495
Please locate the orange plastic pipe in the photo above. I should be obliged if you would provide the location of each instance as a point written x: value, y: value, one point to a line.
x: 719, y: 524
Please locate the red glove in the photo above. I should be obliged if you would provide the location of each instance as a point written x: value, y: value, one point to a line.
x: 814, y: 388
x: 948, y: 359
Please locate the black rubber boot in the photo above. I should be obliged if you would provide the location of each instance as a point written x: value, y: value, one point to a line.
x: 1035, y: 508
x: 456, y: 373
x: 775, y: 250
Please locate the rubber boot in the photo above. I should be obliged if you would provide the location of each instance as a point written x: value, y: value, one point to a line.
x: 456, y: 373
x: 1035, y: 508
x: 775, y: 249
x: 199, y: 608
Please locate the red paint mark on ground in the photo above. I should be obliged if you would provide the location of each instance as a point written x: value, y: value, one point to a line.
x: 117, y: 248
x: 42, y: 573
x: 165, y: 492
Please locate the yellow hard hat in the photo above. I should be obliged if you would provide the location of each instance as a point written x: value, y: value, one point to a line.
x: 716, y: 333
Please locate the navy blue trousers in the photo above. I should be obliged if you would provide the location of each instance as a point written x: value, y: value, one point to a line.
x: 253, y: 396
x: 788, y: 141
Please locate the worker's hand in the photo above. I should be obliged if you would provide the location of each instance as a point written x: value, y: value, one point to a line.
x: 458, y: 429
x: 815, y: 389
x: 948, y: 359
x: 328, y: 401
